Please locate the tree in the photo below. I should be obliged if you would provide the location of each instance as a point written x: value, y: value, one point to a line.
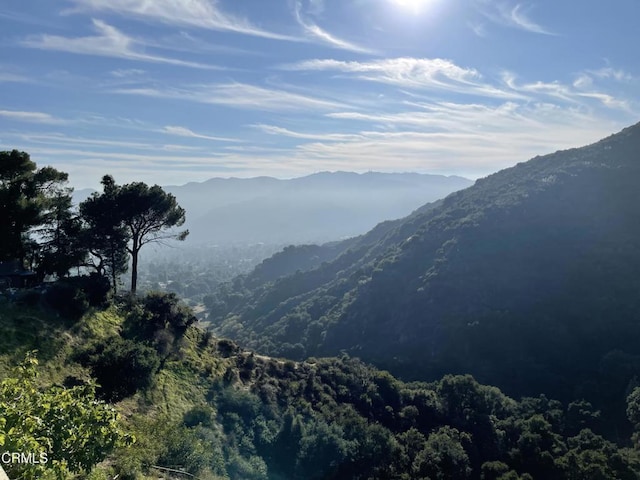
x: 148, y: 214
x: 105, y: 234
x: 123, y: 219
x: 28, y: 196
x: 61, y: 247
x: 64, y: 429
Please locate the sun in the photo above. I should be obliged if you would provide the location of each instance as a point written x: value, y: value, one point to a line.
x: 413, y: 5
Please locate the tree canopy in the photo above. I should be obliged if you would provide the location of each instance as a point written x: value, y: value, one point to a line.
x: 29, y: 198
x: 104, y: 233
x: 131, y: 216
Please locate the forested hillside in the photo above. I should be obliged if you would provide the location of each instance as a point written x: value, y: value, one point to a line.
x: 188, y: 401
x: 527, y: 280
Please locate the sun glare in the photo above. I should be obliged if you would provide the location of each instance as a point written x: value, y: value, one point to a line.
x: 413, y: 5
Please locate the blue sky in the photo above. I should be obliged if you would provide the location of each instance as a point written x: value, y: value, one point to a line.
x: 172, y: 91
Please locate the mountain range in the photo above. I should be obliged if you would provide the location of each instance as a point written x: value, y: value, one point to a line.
x: 528, y: 280
x: 317, y: 208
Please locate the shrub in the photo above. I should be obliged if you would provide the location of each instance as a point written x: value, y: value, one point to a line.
x: 67, y: 299
x: 96, y: 287
x: 199, y: 415
x: 159, y: 311
x: 71, y: 297
x: 121, y: 367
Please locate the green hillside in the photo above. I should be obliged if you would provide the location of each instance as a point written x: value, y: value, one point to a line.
x: 200, y: 404
x: 527, y: 280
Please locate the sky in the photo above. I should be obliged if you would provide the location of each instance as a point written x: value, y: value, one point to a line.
x: 174, y: 91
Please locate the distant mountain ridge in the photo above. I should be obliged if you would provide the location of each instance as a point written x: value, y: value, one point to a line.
x: 316, y: 208
x: 512, y: 280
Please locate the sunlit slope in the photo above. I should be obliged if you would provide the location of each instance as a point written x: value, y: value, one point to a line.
x: 527, y: 279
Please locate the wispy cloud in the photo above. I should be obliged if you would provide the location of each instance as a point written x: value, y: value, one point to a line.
x: 478, y: 28
x: 464, y: 138
x: 510, y: 15
x: 582, y: 88
x: 421, y: 73
x: 237, y: 95
x: 97, y: 143
x: 315, y: 32
x: 436, y: 137
x: 185, y: 132
x: 330, y: 137
x: 608, y: 100
x: 110, y: 42
x: 194, y: 13
x: 191, y: 43
x: 31, y: 117
x: 126, y: 72
x: 519, y: 18
x: 612, y: 73
x: 160, y: 166
x: 14, y: 78
x: 28, y: 19
x: 315, y: 7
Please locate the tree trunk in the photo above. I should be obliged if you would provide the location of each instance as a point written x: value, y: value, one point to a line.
x: 134, y: 265
x: 114, y: 275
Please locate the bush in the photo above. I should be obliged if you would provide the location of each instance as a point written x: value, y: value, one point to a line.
x: 156, y: 312
x: 71, y: 297
x: 96, y: 288
x: 121, y: 367
x: 199, y: 415
x: 67, y: 299
x: 186, y: 449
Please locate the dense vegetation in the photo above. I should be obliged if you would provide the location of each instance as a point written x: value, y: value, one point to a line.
x: 528, y: 280
x: 200, y: 404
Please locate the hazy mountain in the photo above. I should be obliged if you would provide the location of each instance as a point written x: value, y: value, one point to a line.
x: 320, y: 207
x: 316, y: 208
x: 528, y: 280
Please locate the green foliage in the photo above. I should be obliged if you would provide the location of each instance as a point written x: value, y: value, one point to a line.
x: 66, y: 429
x: 443, y: 456
x: 199, y: 415
x: 104, y: 235
x: 342, y: 419
x: 120, y: 366
x: 217, y: 411
x: 159, y: 319
x: 28, y: 199
x: 71, y: 297
x: 60, y: 247
x: 192, y: 449
x: 67, y: 299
